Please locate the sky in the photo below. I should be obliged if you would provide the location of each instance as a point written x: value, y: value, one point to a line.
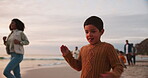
x: 51, y: 23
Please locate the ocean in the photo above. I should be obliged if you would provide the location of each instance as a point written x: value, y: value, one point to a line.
x: 51, y: 60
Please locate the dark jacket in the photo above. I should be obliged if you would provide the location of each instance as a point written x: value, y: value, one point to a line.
x: 129, y: 48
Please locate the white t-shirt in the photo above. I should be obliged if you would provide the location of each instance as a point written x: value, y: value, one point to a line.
x: 126, y: 49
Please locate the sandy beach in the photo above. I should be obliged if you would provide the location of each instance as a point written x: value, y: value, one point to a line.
x: 58, y: 72
x: 32, y: 62
x: 139, y: 70
x: 60, y: 69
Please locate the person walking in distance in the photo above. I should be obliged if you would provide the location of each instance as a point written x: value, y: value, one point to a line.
x: 128, y: 52
x: 76, y: 53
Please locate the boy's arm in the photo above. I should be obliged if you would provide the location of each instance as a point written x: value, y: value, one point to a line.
x: 74, y: 63
x: 115, y: 62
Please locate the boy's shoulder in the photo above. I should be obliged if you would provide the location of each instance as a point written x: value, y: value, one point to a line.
x: 85, y: 46
x: 105, y: 44
x: 108, y: 44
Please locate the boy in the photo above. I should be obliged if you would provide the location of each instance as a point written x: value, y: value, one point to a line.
x: 122, y: 58
x: 97, y: 58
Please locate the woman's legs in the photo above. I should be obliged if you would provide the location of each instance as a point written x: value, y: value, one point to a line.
x: 16, y: 71
x: 13, y: 65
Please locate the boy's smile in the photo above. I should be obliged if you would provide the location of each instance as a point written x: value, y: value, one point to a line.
x: 93, y: 34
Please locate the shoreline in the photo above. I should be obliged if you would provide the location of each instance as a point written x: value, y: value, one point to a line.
x: 49, y: 67
x: 52, y: 72
x: 27, y: 65
x: 136, y: 71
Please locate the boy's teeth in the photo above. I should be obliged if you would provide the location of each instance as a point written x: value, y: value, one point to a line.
x: 90, y: 38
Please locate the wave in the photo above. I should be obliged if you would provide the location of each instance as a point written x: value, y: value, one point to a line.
x: 2, y: 57
x: 29, y: 58
x: 56, y: 58
x: 52, y: 64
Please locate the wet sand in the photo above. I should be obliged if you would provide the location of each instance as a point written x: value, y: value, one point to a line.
x: 42, y: 69
x: 139, y: 70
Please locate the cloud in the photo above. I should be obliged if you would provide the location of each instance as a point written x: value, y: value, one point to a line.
x: 52, y: 23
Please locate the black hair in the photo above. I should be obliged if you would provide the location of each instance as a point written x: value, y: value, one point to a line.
x: 121, y: 52
x: 19, y: 24
x: 95, y: 21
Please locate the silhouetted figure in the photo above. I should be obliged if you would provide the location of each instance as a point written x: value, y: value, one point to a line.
x: 133, y: 56
x: 128, y: 52
x: 76, y: 53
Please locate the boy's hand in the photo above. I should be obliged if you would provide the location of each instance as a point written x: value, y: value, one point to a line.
x: 64, y: 50
x: 107, y: 75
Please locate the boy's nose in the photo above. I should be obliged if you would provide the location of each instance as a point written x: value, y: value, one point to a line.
x: 89, y: 34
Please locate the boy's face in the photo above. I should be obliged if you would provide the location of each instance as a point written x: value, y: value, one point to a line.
x: 120, y: 53
x: 92, y: 34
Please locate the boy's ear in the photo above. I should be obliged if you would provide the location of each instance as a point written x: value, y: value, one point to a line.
x: 102, y: 31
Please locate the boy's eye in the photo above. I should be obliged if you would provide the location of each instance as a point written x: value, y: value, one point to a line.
x: 86, y: 32
x: 93, y: 31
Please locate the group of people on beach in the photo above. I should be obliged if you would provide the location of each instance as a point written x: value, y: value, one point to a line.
x: 129, y: 52
x: 95, y: 60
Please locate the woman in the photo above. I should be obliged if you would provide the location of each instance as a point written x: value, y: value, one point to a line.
x: 14, y: 46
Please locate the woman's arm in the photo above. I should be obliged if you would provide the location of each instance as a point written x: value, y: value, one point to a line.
x: 24, y: 39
